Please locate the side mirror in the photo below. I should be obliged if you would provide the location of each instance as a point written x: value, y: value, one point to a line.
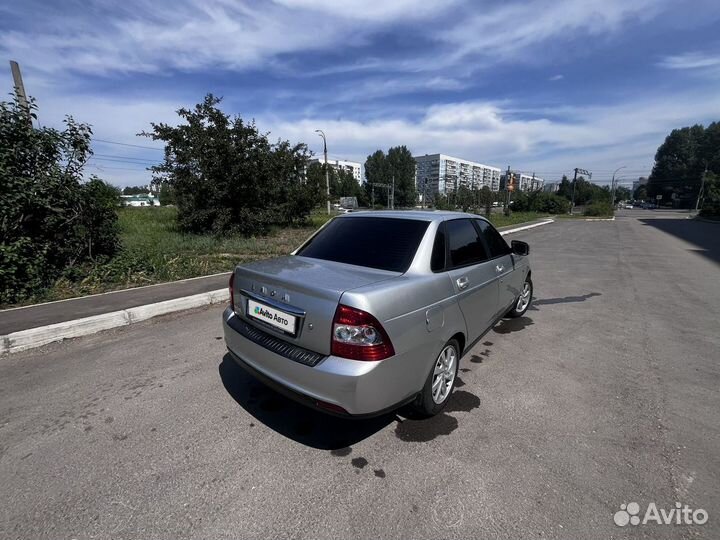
x: 519, y: 247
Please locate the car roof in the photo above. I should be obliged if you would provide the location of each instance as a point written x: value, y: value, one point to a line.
x: 425, y: 215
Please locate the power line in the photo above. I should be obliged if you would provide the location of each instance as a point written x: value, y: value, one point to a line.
x: 113, y: 156
x: 121, y: 160
x: 128, y: 144
x: 104, y: 167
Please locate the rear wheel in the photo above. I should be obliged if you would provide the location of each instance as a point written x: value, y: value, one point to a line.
x: 440, y: 381
x: 522, y: 303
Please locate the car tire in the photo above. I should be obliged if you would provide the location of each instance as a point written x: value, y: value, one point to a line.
x: 522, y: 302
x: 443, y: 376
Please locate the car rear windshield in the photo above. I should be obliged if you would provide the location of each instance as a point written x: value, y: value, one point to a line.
x: 374, y: 242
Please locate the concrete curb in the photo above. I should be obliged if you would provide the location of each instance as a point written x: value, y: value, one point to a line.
x: 37, y: 337
x: 42, y: 335
x: 526, y: 227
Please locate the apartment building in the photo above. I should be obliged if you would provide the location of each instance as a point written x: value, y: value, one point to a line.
x: 341, y: 165
x: 524, y: 182
x: 439, y: 174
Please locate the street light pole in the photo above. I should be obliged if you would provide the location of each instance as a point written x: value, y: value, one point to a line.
x: 612, y: 185
x: 393, y: 192
x: 327, y: 172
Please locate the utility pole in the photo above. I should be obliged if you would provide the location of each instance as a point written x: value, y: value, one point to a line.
x: 581, y: 171
x: 702, y: 188
x: 508, y: 181
x: 327, y: 172
x: 20, y: 89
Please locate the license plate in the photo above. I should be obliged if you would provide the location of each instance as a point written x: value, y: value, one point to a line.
x: 274, y: 317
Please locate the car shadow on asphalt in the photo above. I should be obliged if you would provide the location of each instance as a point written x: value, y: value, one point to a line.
x: 701, y: 234
x: 561, y: 300
x: 293, y: 420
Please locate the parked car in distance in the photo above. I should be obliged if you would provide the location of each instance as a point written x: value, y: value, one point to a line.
x: 376, y: 309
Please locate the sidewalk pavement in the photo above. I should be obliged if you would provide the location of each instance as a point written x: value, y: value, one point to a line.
x: 40, y: 315
x: 16, y: 319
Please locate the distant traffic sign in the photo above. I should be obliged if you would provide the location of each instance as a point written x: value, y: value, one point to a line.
x: 658, y: 197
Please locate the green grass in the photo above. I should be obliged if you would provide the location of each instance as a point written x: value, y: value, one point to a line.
x: 155, y: 251
x: 501, y: 220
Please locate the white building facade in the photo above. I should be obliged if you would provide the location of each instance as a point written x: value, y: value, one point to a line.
x: 440, y: 174
x: 529, y: 183
x: 352, y: 167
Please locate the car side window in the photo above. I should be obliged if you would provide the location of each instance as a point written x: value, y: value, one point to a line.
x: 437, y: 260
x: 465, y: 246
x: 493, y: 239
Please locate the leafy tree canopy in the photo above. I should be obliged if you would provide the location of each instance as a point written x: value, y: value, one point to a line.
x: 51, y: 219
x: 226, y: 176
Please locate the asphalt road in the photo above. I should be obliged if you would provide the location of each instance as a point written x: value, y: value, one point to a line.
x: 606, y: 393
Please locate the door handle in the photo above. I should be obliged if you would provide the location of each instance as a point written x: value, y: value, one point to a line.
x: 499, y: 268
x: 462, y: 282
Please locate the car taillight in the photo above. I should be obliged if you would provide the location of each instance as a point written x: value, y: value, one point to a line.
x: 231, y: 286
x: 359, y: 336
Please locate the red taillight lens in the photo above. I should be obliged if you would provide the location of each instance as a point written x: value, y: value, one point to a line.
x: 359, y: 336
x: 231, y: 286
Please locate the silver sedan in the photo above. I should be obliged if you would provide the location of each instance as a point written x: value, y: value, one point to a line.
x: 376, y: 309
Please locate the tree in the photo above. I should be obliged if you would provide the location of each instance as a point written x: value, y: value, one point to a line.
x: 565, y: 188
x: 640, y: 194
x: 398, y: 163
x: 464, y: 198
x: 679, y: 162
x: 622, y: 194
x: 402, y: 167
x: 227, y: 177
x: 51, y: 220
x: 550, y: 203
x: 485, y: 199
x: 166, y: 195
x: 711, y: 199
x: 315, y: 181
x: 376, y: 168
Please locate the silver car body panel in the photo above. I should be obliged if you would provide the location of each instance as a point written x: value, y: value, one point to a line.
x: 420, y: 311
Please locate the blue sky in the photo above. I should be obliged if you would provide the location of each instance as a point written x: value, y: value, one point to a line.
x: 543, y: 86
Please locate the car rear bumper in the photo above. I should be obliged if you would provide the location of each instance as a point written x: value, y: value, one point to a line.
x: 360, y: 388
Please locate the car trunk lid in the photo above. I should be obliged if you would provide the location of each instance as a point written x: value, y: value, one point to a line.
x: 295, y: 298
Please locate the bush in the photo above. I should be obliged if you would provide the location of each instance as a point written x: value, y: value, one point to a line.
x: 599, y: 209
x: 550, y: 203
x: 51, y: 222
x: 547, y: 203
x: 226, y: 177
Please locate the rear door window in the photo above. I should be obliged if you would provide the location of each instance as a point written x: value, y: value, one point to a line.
x: 373, y: 242
x: 464, y: 244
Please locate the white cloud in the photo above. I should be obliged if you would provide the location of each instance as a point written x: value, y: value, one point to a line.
x: 596, y: 137
x: 692, y: 61
x: 556, y: 78
x: 194, y: 35
x: 371, y: 10
x: 511, y: 29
